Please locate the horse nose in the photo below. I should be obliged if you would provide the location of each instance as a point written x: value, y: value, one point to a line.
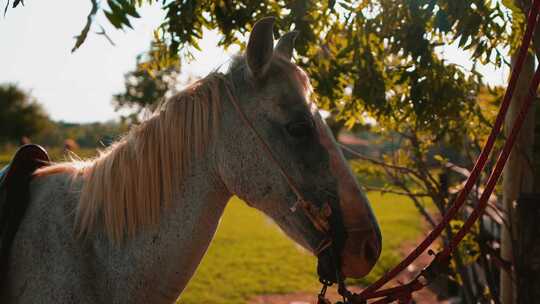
x: 361, y: 253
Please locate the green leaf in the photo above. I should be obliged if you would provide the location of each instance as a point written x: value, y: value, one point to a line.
x: 439, y: 158
x: 463, y: 40
x: 17, y: 2
x: 113, y: 19
x: 119, y: 13
x: 129, y: 8
x: 441, y: 21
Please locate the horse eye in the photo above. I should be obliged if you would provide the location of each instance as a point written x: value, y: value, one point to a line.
x: 299, y: 129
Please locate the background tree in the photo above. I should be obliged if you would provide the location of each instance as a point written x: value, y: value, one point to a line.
x: 21, y: 115
x: 154, y: 78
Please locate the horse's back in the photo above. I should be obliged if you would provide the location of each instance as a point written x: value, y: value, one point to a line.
x: 36, y: 234
x: 45, y: 259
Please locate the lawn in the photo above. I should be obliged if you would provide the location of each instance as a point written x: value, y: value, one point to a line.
x: 56, y: 154
x: 250, y: 255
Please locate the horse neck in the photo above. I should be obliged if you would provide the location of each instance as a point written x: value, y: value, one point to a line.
x: 167, y: 257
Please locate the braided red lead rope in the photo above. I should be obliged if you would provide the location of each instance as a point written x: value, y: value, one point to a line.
x: 402, y: 293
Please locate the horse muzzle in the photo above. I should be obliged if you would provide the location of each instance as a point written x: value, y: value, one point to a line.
x: 352, y: 247
x: 354, y: 258
x: 360, y: 253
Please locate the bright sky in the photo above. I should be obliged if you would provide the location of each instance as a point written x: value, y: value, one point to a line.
x: 35, y: 53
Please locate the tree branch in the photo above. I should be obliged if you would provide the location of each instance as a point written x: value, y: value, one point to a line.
x: 377, y: 162
x: 461, y: 170
x: 384, y: 190
x: 79, y: 40
x: 396, y: 181
x: 104, y: 33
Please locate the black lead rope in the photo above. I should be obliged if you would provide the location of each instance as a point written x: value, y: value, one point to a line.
x: 326, y: 276
x: 342, y: 287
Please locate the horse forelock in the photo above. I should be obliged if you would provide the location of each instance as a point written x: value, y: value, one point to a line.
x: 126, y: 186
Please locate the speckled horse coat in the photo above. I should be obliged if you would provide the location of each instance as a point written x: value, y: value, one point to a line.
x: 77, y: 245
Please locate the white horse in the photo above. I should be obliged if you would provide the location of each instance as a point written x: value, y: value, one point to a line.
x: 131, y: 225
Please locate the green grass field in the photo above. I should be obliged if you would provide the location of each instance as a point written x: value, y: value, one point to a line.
x: 56, y: 154
x: 250, y: 255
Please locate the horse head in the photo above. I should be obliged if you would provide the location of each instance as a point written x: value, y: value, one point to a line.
x: 302, y: 181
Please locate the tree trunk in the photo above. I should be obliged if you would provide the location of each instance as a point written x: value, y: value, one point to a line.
x: 528, y: 249
x: 536, y: 149
x: 518, y: 173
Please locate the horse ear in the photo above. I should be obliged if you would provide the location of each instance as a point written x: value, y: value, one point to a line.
x: 285, y: 45
x: 260, y: 46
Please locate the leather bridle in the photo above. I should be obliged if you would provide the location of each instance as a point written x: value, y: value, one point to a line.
x: 318, y: 216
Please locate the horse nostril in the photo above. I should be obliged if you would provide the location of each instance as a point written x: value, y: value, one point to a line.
x: 372, y: 250
x: 369, y: 252
x: 361, y: 252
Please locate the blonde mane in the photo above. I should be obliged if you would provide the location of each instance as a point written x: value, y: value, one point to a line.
x: 126, y: 186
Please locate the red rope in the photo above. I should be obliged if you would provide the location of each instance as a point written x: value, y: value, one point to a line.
x: 401, y: 293
x: 370, y: 292
x: 499, y: 166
